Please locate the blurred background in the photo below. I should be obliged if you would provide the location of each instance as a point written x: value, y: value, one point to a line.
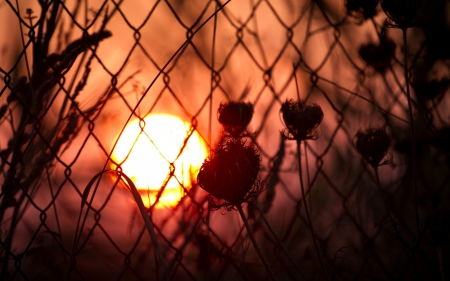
x: 79, y: 80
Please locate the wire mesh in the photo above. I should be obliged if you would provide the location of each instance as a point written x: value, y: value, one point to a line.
x: 76, y: 73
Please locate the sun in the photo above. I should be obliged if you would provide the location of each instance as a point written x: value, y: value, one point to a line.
x: 153, y: 152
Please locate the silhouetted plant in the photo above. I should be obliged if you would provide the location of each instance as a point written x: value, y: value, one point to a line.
x: 235, y: 116
x: 373, y: 144
x: 301, y: 119
x: 35, y: 144
x: 230, y: 174
x: 48, y: 101
x: 402, y: 13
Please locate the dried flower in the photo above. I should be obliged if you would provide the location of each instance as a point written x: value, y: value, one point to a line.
x: 230, y: 174
x: 235, y: 116
x: 362, y: 9
x: 402, y: 13
x: 373, y: 144
x: 301, y: 120
x: 379, y: 56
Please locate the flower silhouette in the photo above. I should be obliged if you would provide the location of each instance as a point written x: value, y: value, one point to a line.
x: 373, y: 144
x: 402, y: 13
x: 235, y: 116
x: 230, y: 174
x: 301, y: 120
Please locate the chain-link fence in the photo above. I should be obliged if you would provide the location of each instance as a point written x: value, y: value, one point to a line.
x: 75, y: 73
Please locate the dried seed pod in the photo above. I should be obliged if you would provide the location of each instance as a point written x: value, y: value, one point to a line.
x: 402, y: 13
x: 373, y: 144
x: 230, y: 174
x: 235, y: 116
x: 301, y: 120
x: 362, y: 9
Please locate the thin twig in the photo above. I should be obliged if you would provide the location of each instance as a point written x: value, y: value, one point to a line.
x: 441, y: 262
x: 142, y: 210
x: 252, y: 238
x: 280, y: 243
x: 306, y: 209
x: 413, y: 134
x: 397, y: 235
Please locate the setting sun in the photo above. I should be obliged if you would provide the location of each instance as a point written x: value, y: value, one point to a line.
x: 146, y: 150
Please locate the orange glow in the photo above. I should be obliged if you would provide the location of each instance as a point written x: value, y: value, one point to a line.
x: 145, y: 156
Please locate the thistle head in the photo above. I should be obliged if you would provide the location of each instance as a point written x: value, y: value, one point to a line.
x: 362, y: 9
x: 235, y: 116
x: 373, y: 144
x: 301, y: 119
x: 230, y: 174
x: 402, y: 13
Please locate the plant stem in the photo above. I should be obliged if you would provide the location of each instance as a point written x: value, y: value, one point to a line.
x: 413, y: 137
x: 386, y: 205
x: 413, y: 143
x: 252, y: 238
x: 148, y: 224
x: 397, y: 235
x: 299, y: 158
x: 137, y: 198
x: 272, y: 231
x: 441, y: 262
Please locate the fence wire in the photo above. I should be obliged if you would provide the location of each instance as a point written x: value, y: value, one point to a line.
x: 75, y: 73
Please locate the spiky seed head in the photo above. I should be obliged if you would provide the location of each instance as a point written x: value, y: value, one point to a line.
x: 230, y: 174
x: 373, y: 144
x: 301, y: 119
x: 235, y: 116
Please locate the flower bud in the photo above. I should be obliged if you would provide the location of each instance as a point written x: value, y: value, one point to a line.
x: 235, y: 116
x: 373, y: 144
x: 300, y: 119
